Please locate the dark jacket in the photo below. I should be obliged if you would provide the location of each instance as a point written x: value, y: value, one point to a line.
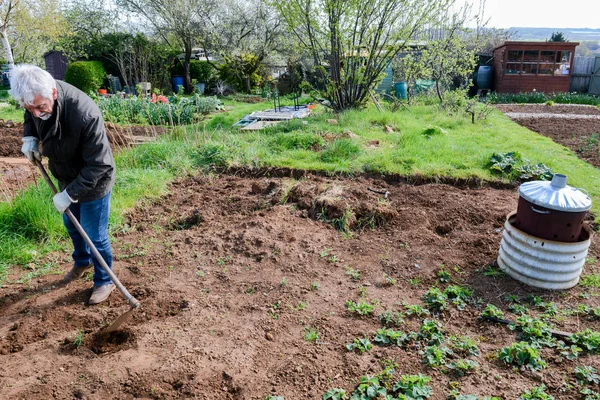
x: 75, y: 142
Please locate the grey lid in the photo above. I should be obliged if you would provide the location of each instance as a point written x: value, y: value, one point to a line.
x: 555, y: 195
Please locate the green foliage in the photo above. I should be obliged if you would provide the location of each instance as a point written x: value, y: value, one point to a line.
x: 311, y: 334
x: 368, y: 388
x: 431, y: 331
x: 335, y: 394
x: 202, y: 71
x: 588, y: 339
x: 522, y: 354
x: 518, y: 309
x: 513, y: 165
x: 586, y: 375
x: 591, y: 280
x: 464, y: 345
x: 361, y: 345
x: 391, y: 318
x: 414, y: 387
x: 242, y: 71
x: 462, y: 367
x: 539, y: 97
x: 505, y: 163
x: 443, y: 275
x: 385, y: 337
x: 415, y: 310
x: 455, y: 395
x: 360, y: 308
x: 534, y: 331
x: 491, y: 311
x: 88, y: 76
x: 557, y: 37
x: 458, y: 295
x: 435, y: 356
x: 435, y: 299
x: 78, y: 338
x: 536, y: 393
x: 178, y: 110
x: 590, y: 394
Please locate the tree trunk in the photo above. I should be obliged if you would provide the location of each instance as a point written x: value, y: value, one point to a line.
x: 7, y: 50
x: 187, y: 79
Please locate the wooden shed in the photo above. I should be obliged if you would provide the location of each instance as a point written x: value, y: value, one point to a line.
x: 529, y: 66
x: 56, y: 64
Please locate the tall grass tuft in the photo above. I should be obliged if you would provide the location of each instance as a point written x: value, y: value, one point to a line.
x: 340, y: 150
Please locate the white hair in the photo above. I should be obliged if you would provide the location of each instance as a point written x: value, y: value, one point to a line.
x: 28, y: 81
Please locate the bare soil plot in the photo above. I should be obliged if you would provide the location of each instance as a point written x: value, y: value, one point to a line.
x: 229, y: 279
x: 574, y: 126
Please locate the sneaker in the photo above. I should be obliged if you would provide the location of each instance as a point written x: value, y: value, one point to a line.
x: 76, y: 272
x: 101, y: 293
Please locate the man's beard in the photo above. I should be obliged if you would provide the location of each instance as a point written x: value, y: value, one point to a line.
x: 44, y: 116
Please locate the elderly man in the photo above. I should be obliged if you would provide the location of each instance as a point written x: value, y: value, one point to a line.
x: 70, y: 128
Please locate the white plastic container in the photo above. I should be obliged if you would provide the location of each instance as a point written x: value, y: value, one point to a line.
x: 539, y: 262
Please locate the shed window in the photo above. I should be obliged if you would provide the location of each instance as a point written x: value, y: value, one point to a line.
x: 514, y: 58
x: 563, y: 63
x: 530, y: 62
x: 546, y: 65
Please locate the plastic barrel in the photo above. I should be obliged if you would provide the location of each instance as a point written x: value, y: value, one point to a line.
x: 400, y: 90
x: 485, y: 73
x: 177, y: 81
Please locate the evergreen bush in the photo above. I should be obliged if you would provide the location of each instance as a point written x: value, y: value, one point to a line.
x: 87, y: 76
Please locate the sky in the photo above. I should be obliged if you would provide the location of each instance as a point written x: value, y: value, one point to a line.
x: 542, y: 13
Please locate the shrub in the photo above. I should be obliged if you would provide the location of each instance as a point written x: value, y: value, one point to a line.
x: 202, y: 71
x: 87, y: 76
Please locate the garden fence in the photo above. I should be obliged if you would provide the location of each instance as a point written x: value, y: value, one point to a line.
x: 583, y: 74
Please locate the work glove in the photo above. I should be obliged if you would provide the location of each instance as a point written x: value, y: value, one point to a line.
x: 30, y: 148
x: 62, y: 201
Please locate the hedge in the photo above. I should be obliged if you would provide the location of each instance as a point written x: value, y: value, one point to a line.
x: 88, y: 76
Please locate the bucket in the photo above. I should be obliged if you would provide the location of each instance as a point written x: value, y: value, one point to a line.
x: 542, y: 263
x: 200, y: 87
x: 177, y: 81
x: 400, y: 90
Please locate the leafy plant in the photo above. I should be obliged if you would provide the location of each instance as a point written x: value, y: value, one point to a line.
x: 443, y: 275
x: 588, y: 339
x: 362, y: 345
x: 491, y: 311
x: 335, y: 394
x: 590, y: 394
x: 87, y: 76
x: 369, y: 387
x: 391, y: 318
x: 431, y: 331
x: 522, y: 354
x: 536, y: 393
x: 518, y: 309
x: 505, y: 162
x: 462, y: 367
x: 353, y: 273
x: 435, y: 356
x: 414, y: 387
x: 311, y: 334
x: 78, y: 338
x: 435, y: 299
x: 464, y: 345
x: 384, y: 337
x: 360, y: 308
x: 458, y: 295
x: 586, y: 375
x: 534, y: 331
x: 569, y: 352
x: 415, y: 310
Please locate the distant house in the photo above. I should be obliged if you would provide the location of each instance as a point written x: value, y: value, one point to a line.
x: 56, y: 64
x: 528, y: 66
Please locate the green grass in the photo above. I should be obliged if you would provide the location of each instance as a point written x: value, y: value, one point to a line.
x: 425, y: 142
x: 10, y: 112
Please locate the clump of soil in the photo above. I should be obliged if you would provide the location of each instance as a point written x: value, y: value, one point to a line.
x: 102, y: 342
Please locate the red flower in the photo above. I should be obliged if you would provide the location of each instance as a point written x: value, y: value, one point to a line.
x: 153, y: 99
x: 163, y: 99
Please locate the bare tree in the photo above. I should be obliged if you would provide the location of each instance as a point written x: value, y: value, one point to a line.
x: 179, y: 19
x: 242, y: 33
x: 7, y: 13
x: 353, y: 41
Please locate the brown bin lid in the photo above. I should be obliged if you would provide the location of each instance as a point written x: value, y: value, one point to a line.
x: 556, y: 195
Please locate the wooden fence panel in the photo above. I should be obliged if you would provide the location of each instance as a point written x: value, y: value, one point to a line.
x: 582, y: 72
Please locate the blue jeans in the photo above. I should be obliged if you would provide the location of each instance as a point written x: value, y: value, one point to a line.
x: 93, y: 217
